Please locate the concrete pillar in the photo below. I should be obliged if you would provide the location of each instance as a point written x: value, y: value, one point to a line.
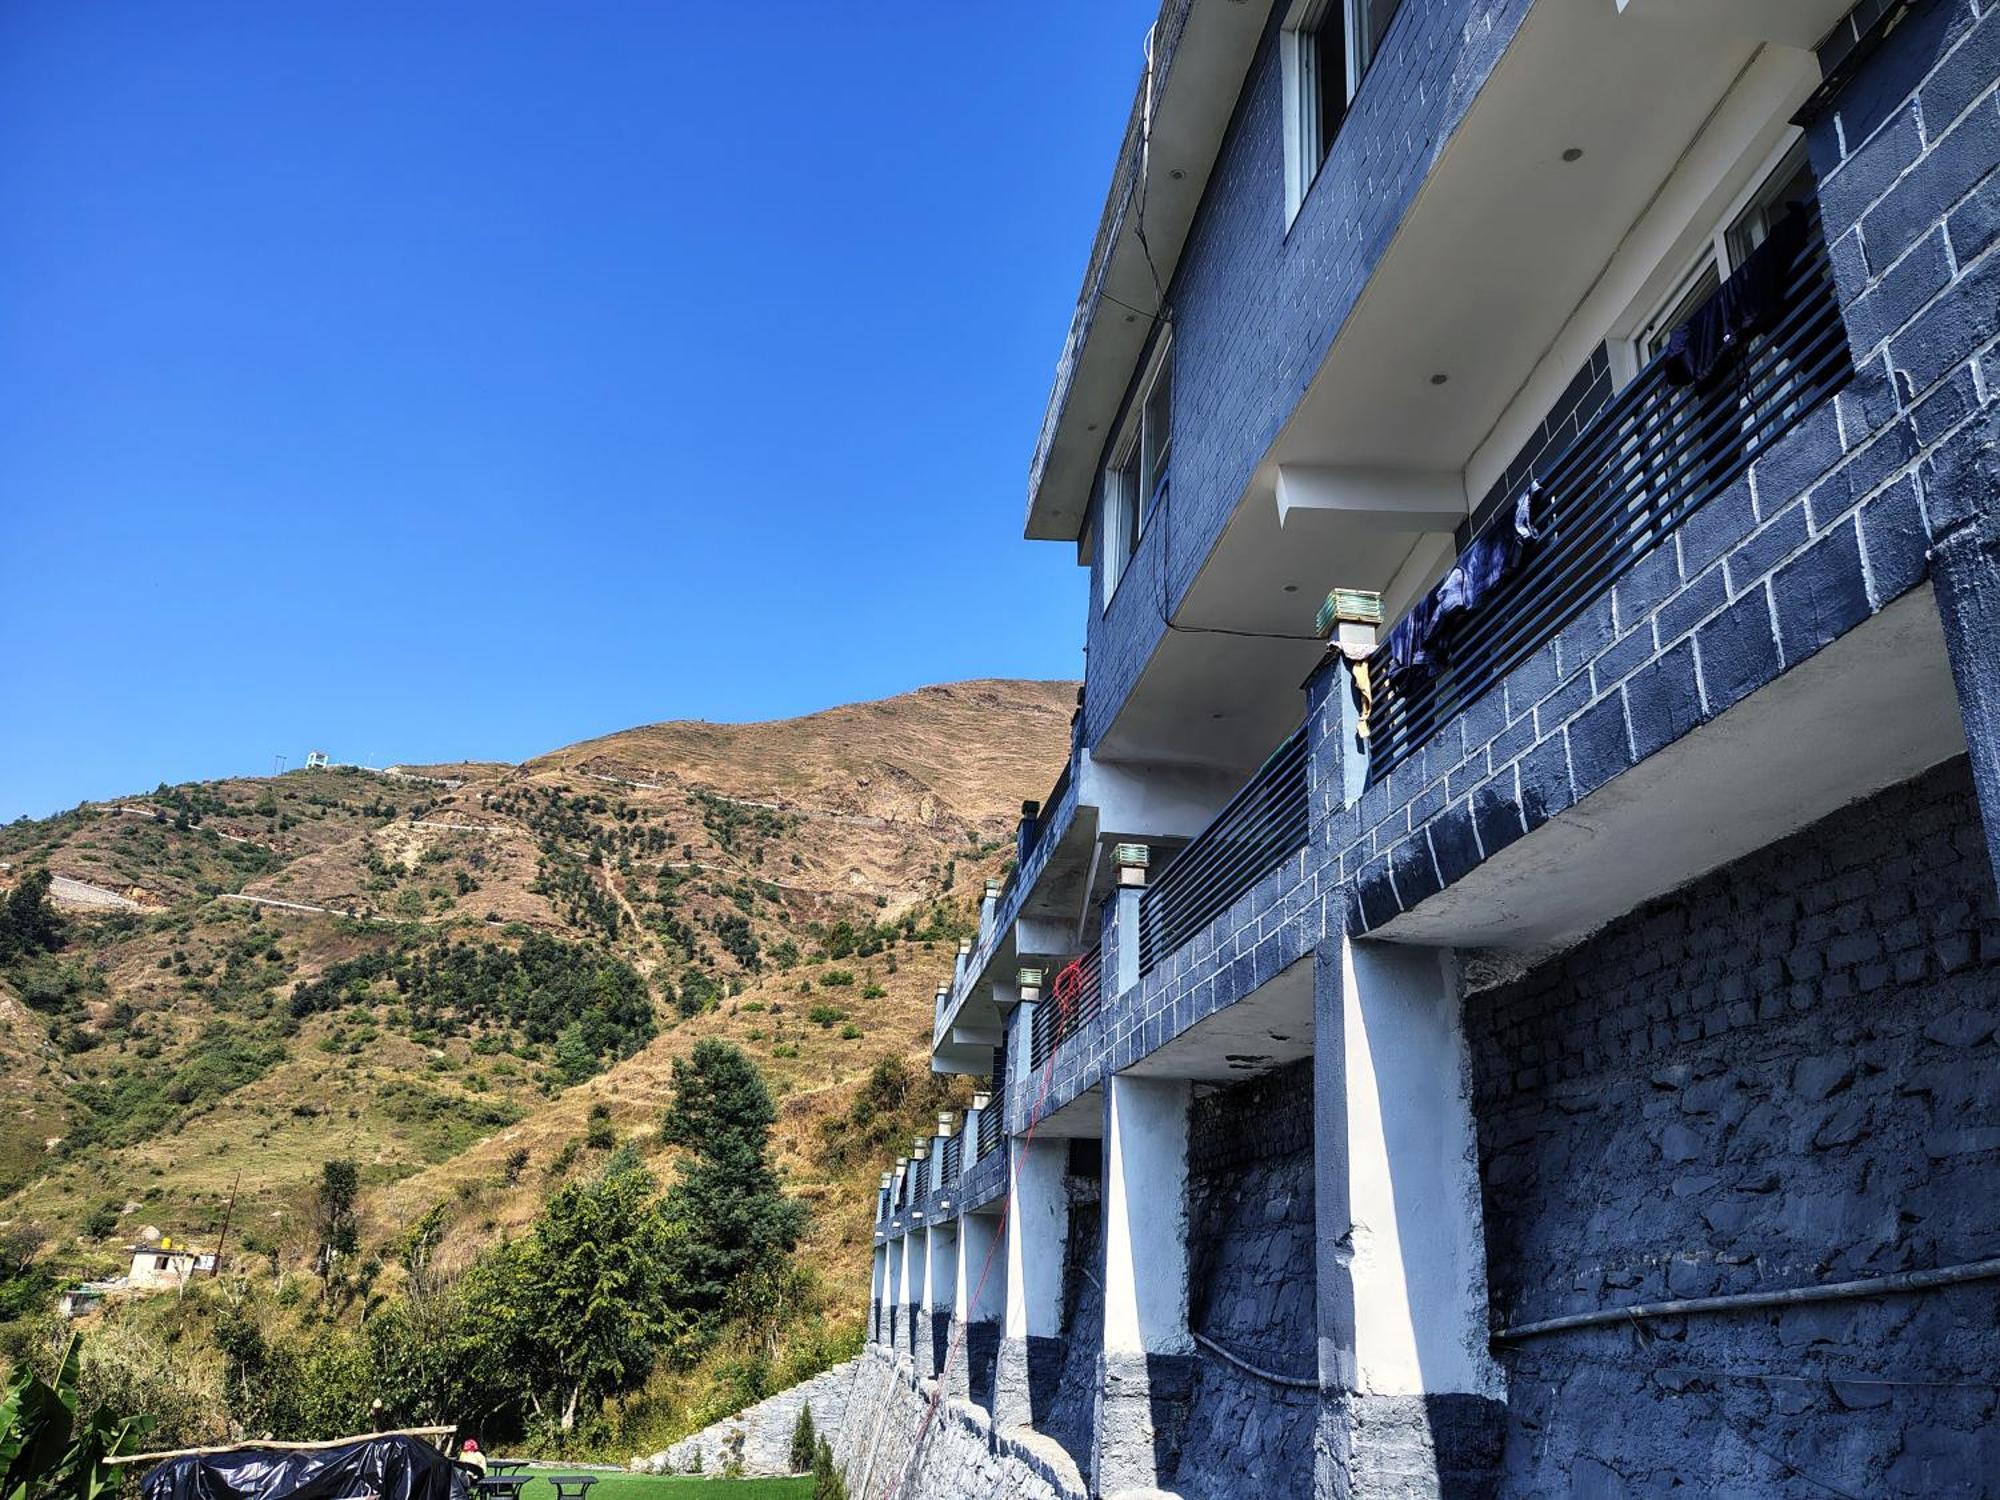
x: 1147, y: 1370
x: 1965, y: 576
x: 940, y: 1294
x: 980, y: 1304
x: 989, y: 904
x: 878, y: 1293
x: 1037, y: 1224
x: 916, y: 1258
x: 892, y: 1315
x: 1023, y: 1082
x: 1407, y: 1383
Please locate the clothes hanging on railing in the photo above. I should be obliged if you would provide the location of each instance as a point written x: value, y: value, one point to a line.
x: 1750, y: 302
x: 1419, y: 644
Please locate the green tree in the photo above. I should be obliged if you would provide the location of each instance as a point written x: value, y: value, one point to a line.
x: 827, y: 1483
x: 590, y: 1291
x: 28, y: 922
x: 727, y: 1212
x: 45, y: 1452
x: 803, y: 1439
x: 334, y: 1217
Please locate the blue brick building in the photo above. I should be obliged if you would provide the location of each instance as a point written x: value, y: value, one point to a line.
x: 1504, y: 997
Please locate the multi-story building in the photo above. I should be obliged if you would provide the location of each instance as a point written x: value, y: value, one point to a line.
x: 1539, y: 1039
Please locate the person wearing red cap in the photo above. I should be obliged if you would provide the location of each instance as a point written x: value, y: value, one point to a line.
x: 469, y: 1455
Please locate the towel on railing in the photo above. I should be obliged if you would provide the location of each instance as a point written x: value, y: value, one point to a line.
x: 1418, y: 644
x: 1750, y: 302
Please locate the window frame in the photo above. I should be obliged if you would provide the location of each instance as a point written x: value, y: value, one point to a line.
x: 1717, y: 254
x: 1126, y: 509
x: 1309, y: 136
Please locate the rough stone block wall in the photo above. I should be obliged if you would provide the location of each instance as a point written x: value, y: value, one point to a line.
x: 959, y: 1457
x: 1072, y: 1407
x: 764, y: 1431
x: 1786, y: 1073
x: 1251, y: 1286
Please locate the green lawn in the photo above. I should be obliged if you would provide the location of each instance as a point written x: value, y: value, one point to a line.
x: 669, y: 1487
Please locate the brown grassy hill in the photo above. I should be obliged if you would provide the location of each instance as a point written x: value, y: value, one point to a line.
x: 796, y: 886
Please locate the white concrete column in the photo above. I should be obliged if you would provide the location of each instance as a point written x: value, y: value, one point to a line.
x: 1404, y: 1363
x: 979, y: 1303
x: 916, y: 1258
x: 1037, y: 1225
x: 1147, y: 1368
x: 940, y: 1292
x: 892, y: 1315
x: 878, y: 1289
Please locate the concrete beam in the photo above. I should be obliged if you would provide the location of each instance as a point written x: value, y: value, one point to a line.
x: 1965, y: 577
x: 1388, y: 499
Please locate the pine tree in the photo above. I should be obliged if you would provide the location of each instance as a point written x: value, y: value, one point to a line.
x: 727, y: 1212
x: 803, y: 1441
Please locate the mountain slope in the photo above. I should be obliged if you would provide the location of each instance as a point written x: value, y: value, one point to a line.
x: 439, y: 971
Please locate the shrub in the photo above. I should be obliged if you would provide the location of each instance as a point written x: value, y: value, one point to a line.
x: 803, y: 1440
x: 825, y: 1015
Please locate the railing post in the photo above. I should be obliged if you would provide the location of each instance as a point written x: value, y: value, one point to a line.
x: 1121, y: 933
x: 988, y: 905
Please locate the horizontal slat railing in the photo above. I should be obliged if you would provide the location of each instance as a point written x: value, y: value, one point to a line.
x: 1074, y: 996
x: 1261, y: 825
x: 1653, y: 455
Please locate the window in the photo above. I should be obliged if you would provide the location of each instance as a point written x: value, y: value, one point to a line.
x: 1789, y: 182
x: 1135, y: 481
x: 1328, y: 47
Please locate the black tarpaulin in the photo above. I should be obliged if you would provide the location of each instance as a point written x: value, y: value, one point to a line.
x: 373, y: 1468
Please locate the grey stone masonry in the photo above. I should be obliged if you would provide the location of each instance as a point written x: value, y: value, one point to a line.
x: 894, y: 1436
x: 1787, y: 1073
x: 760, y: 1436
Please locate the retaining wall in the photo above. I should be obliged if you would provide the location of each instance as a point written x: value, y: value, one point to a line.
x: 1786, y: 1073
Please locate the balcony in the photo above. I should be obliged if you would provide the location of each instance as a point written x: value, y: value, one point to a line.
x: 1074, y: 999
x: 1261, y: 825
x: 1652, y: 456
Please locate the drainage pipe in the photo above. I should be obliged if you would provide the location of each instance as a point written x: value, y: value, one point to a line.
x: 1290, y: 1382
x: 1833, y: 1291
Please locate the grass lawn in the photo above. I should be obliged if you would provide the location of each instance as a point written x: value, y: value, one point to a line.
x: 678, y: 1487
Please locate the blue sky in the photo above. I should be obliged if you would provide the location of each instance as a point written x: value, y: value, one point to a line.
x: 427, y: 381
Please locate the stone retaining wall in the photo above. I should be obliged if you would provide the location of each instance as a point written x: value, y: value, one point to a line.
x: 1786, y: 1073
x: 762, y: 1434
x: 961, y: 1457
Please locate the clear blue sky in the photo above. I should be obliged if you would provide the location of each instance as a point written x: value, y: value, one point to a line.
x: 422, y: 381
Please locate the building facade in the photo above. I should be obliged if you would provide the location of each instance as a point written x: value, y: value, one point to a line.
x: 1529, y: 1025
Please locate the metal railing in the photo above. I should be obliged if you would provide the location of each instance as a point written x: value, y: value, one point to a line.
x: 1261, y: 825
x: 954, y: 1153
x: 1073, y: 998
x: 1654, y: 454
x: 990, y: 1120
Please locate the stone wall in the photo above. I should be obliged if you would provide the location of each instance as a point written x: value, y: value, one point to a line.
x: 1251, y: 1286
x: 760, y: 1435
x: 960, y: 1456
x: 1072, y: 1409
x: 1785, y: 1074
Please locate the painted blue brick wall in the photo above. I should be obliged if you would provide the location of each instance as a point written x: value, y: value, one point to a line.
x: 1255, y: 307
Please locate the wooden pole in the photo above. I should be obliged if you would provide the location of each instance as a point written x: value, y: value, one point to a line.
x: 339, y: 1442
x: 223, y: 1238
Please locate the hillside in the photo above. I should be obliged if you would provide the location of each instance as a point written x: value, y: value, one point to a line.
x: 498, y: 949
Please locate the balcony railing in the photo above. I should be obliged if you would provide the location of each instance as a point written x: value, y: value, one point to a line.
x: 1261, y: 825
x: 1649, y: 458
x: 1075, y: 995
x: 954, y: 1153
x: 991, y: 1120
